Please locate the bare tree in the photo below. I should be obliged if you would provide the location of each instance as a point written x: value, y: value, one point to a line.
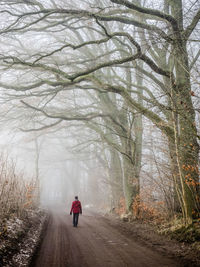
x: 59, y: 63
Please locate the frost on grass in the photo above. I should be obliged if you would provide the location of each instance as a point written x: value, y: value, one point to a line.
x: 27, y: 247
x: 21, y: 239
x: 14, y: 227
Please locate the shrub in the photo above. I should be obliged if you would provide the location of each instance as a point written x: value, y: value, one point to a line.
x: 17, y: 193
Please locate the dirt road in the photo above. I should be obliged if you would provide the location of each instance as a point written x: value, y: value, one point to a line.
x: 95, y: 242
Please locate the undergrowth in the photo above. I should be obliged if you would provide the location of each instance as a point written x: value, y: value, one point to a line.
x: 184, y: 233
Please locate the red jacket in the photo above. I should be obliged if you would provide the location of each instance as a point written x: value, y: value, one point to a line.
x: 76, y: 207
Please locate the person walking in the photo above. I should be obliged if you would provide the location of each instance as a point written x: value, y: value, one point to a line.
x: 76, y: 209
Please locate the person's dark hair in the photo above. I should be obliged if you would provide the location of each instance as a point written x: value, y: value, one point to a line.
x: 76, y: 197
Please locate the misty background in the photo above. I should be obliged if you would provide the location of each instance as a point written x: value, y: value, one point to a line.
x: 104, y: 133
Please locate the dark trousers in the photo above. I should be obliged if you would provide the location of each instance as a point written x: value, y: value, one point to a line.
x: 75, y: 219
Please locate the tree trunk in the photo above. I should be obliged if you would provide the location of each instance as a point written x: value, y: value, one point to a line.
x: 131, y: 184
x: 187, y: 147
x: 116, y: 178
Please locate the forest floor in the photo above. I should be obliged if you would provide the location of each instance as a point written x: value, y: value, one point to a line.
x: 20, y: 237
x: 107, y: 241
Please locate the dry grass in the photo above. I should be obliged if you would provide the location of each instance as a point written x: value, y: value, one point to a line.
x: 17, y: 193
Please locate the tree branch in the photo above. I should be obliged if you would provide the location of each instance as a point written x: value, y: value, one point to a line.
x: 192, y: 25
x: 148, y: 11
x: 87, y: 117
x: 84, y: 13
x: 41, y: 128
x: 194, y: 60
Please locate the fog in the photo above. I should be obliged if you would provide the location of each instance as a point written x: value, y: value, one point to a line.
x: 62, y: 173
x: 91, y: 103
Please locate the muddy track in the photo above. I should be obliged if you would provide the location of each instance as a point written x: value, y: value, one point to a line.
x: 95, y: 242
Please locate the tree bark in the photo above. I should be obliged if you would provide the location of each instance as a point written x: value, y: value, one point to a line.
x: 187, y: 148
